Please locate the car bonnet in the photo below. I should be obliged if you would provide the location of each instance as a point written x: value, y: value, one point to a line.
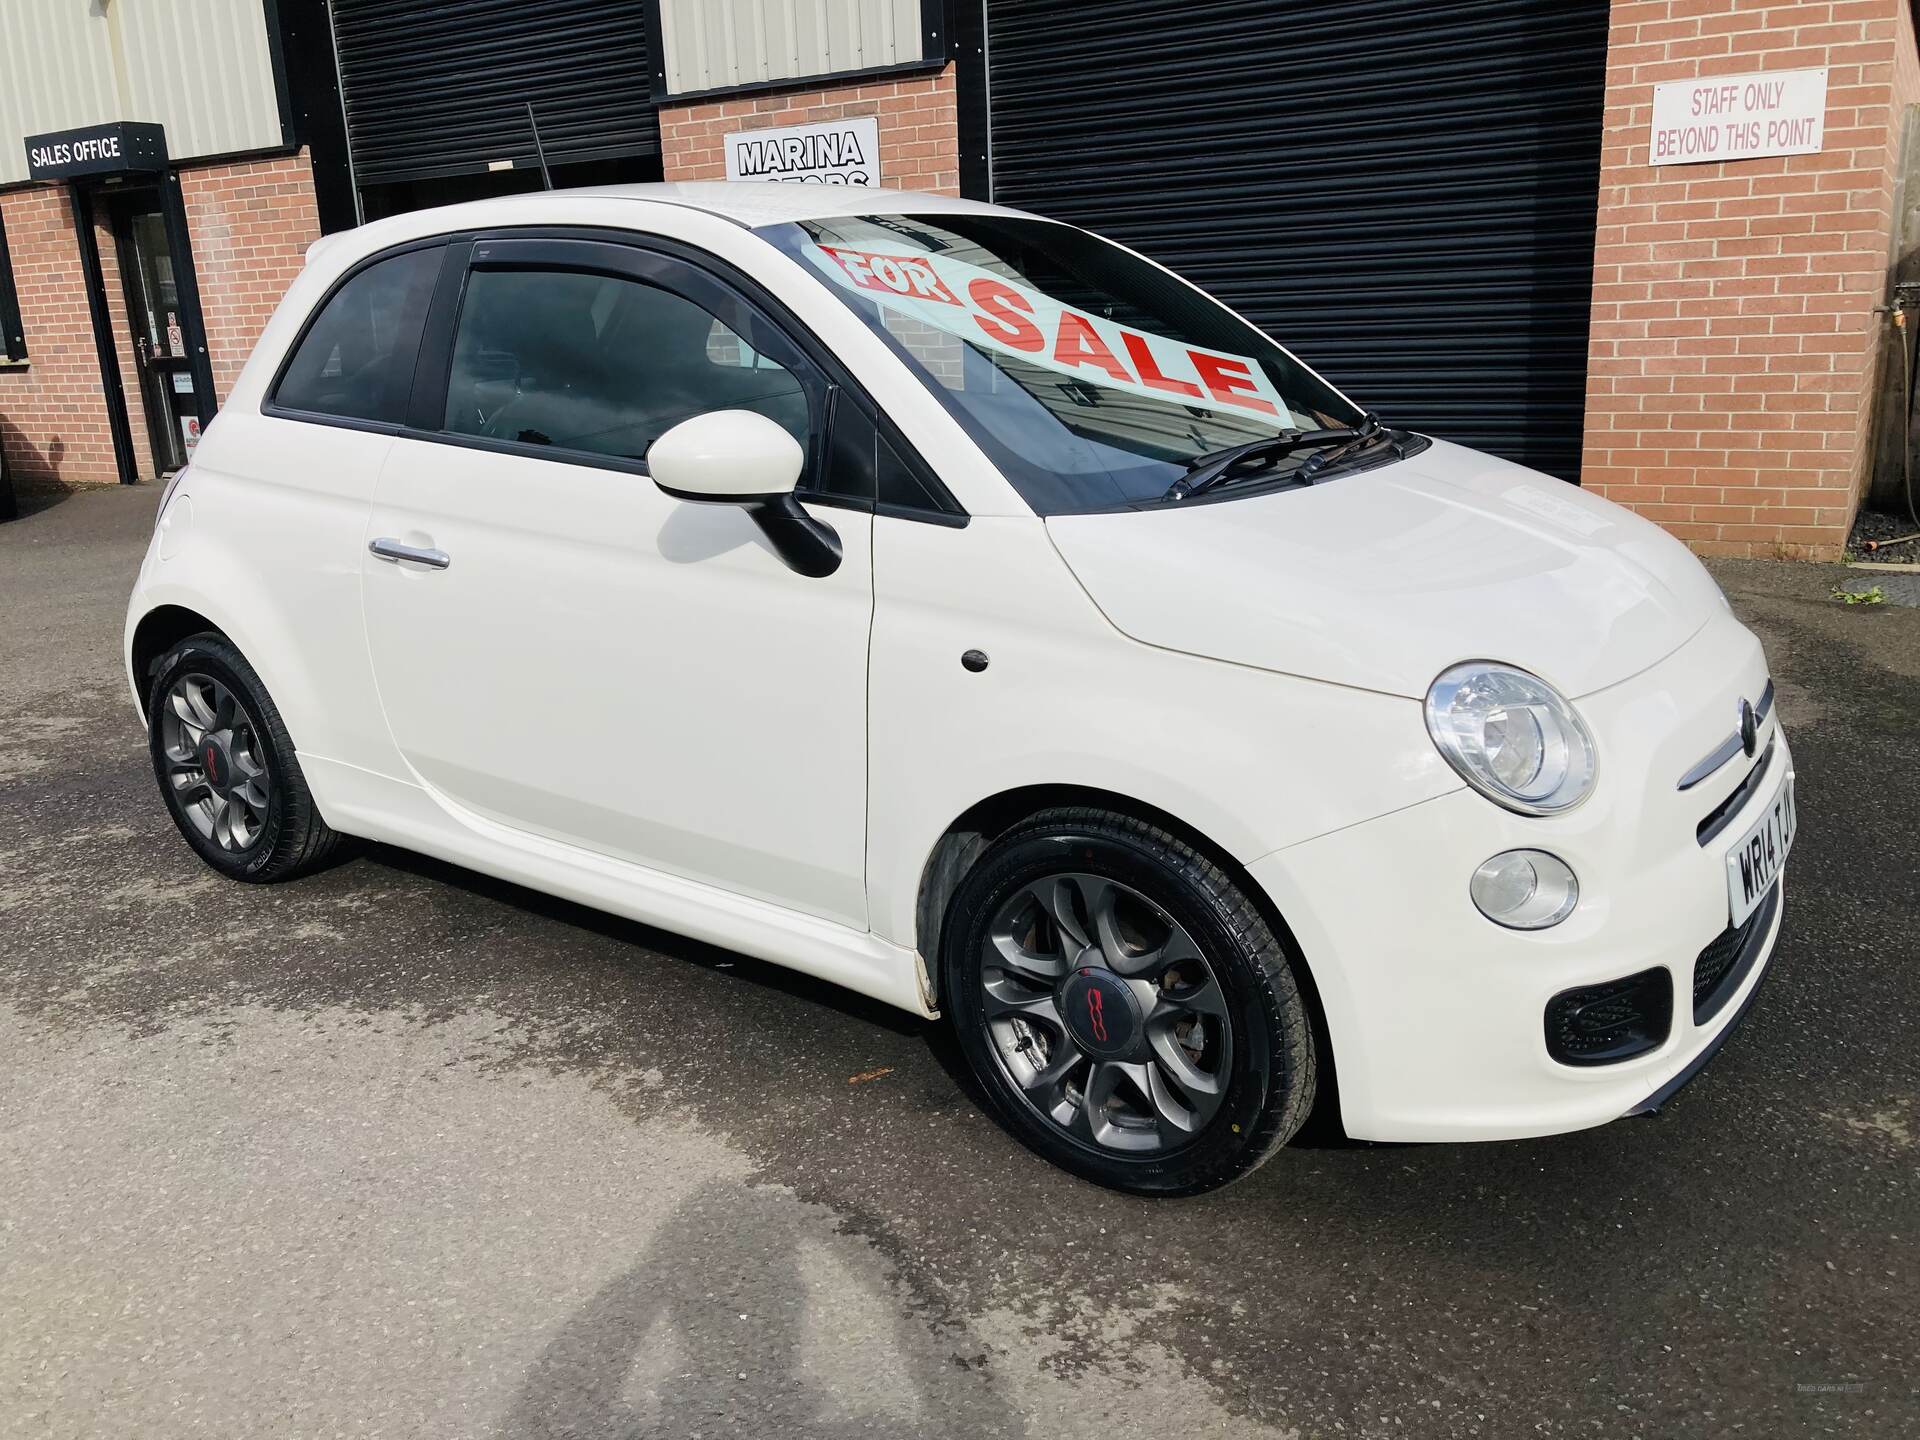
x: 1382, y: 578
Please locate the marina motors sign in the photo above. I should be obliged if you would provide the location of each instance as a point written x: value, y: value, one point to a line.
x: 838, y: 152
x: 1739, y: 117
x: 1001, y: 315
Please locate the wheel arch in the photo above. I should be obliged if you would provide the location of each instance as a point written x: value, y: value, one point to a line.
x: 972, y: 833
x: 215, y: 593
x: 157, y: 632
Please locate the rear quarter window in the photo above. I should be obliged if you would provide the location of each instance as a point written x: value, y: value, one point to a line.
x: 356, y: 359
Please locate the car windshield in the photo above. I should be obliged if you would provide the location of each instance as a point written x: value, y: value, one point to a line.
x: 1092, y: 378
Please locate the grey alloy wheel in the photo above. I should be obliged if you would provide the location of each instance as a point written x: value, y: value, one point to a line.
x: 1104, y: 1014
x: 215, y: 762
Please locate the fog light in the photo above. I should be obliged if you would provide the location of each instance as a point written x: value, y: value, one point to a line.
x: 1525, y: 890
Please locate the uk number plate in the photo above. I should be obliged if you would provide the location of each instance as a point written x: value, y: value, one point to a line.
x: 1754, y: 865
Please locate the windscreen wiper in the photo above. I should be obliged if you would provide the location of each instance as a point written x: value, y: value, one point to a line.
x: 1215, y: 468
x: 1369, y: 430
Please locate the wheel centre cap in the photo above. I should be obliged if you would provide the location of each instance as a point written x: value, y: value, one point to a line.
x: 1100, y: 1011
x: 217, y: 763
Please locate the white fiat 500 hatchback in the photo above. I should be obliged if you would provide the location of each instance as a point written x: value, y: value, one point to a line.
x: 960, y: 608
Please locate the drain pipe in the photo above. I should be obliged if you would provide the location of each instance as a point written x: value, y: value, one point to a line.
x: 1906, y: 296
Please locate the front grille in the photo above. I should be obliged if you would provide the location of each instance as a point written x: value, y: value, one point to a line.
x: 1722, y: 815
x: 1603, y: 1024
x: 1721, y: 967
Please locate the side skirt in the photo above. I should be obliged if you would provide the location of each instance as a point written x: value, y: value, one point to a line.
x: 375, y: 807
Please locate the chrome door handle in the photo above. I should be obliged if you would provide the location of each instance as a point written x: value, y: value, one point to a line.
x: 394, y: 552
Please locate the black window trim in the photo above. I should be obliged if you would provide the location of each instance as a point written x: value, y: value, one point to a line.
x: 270, y: 402
x: 425, y: 412
x: 13, y: 331
x: 956, y: 517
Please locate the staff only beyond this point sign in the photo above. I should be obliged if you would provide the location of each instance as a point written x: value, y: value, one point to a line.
x: 1739, y: 117
x: 837, y: 152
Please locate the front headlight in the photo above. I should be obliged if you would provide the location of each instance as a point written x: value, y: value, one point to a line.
x: 1511, y: 737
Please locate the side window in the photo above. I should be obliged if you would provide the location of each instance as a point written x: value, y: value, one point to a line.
x: 602, y: 364
x: 867, y: 467
x: 356, y: 360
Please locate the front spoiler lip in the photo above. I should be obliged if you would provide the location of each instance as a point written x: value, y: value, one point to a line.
x: 1653, y: 1104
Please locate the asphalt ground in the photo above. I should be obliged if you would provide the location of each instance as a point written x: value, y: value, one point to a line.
x: 397, y: 1150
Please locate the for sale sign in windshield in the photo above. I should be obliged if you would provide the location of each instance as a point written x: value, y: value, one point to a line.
x: 1018, y: 321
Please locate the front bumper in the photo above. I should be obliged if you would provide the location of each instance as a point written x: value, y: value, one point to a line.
x: 1436, y: 1015
x: 1755, y: 965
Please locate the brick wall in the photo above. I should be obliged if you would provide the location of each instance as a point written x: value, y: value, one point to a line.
x: 249, y: 223
x: 919, y: 132
x: 1734, y: 345
x: 53, y: 421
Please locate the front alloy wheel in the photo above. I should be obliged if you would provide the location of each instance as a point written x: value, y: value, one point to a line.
x: 1105, y: 1014
x: 1125, y: 1006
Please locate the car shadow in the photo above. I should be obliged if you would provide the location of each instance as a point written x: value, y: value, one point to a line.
x: 743, y: 968
x: 1322, y: 1130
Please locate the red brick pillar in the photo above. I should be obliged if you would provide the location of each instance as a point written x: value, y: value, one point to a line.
x: 1735, y: 347
x: 251, y: 223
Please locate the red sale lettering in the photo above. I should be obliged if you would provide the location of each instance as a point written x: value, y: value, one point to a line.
x: 1000, y: 315
x: 888, y: 273
x: 1141, y: 354
x: 1078, y: 344
x: 1229, y: 380
x: 855, y: 266
x: 925, y: 283
x: 907, y: 275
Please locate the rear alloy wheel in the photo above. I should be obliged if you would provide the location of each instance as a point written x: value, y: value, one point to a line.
x: 227, y: 766
x: 216, y: 769
x: 1127, y: 1009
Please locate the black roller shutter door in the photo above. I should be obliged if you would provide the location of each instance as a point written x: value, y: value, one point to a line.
x: 1403, y: 192
x: 441, y: 89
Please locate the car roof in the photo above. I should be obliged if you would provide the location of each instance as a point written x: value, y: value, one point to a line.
x: 771, y: 202
x: 748, y: 203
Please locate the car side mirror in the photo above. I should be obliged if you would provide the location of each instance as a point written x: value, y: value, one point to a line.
x: 739, y: 457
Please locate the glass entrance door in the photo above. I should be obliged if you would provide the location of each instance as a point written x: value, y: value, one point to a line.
x: 159, y: 332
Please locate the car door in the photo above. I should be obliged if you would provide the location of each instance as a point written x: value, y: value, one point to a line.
x: 586, y: 658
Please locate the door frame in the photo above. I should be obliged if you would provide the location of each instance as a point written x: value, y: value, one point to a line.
x: 122, y: 205
x: 83, y: 198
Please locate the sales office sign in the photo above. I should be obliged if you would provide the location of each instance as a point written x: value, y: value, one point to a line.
x: 1739, y: 117
x: 113, y: 149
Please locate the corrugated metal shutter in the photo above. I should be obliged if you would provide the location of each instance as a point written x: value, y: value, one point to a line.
x: 1402, y: 191
x: 441, y: 89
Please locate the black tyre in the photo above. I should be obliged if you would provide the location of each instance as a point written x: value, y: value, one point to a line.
x: 227, y: 768
x: 1126, y: 1008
